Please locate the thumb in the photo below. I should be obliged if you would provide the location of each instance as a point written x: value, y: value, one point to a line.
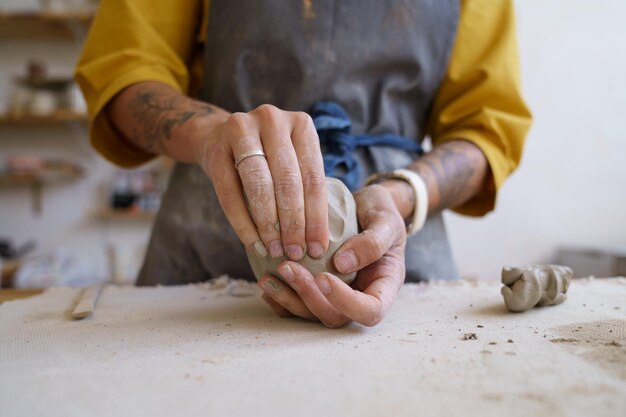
x: 370, y: 245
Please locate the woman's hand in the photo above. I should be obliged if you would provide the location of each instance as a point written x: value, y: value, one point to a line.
x: 285, y: 192
x: 277, y: 203
x: 377, y: 254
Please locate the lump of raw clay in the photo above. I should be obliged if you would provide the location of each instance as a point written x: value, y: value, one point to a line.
x: 342, y: 225
x: 536, y: 285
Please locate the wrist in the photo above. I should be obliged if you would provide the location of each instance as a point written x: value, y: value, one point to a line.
x: 402, y: 195
x: 201, y: 133
x: 417, y: 207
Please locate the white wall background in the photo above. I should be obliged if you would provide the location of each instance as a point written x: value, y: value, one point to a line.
x: 571, y: 186
x: 569, y: 190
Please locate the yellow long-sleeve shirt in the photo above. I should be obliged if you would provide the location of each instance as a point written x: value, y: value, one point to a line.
x: 479, y: 99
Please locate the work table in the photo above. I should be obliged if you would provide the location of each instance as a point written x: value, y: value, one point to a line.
x: 216, y: 349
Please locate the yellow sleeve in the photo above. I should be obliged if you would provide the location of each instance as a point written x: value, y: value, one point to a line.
x: 479, y: 99
x: 131, y: 41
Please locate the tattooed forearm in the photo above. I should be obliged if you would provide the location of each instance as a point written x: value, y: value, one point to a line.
x: 157, y: 113
x: 454, y: 172
x: 155, y: 117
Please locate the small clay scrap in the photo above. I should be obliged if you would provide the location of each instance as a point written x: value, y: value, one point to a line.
x: 536, y: 285
x: 564, y: 340
x: 342, y: 223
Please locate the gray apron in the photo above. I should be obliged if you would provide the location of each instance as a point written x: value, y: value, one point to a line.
x: 382, y: 61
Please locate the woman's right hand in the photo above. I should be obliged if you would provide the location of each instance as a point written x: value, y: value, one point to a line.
x: 276, y: 204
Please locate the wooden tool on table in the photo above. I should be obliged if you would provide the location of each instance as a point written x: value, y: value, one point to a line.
x: 87, y: 302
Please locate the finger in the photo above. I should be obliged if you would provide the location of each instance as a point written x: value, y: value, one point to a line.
x: 307, y: 146
x: 283, y: 163
x: 276, y: 308
x: 256, y: 179
x: 301, y: 280
x: 368, y: 246
x: 390, y: 265
x: 285, y: 297
x: 367, y: 307
x: 229, y: 192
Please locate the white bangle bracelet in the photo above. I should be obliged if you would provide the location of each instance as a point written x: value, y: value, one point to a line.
x: 420, y: 212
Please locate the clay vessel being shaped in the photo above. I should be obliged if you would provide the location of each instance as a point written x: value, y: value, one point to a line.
x: 535, y: 285
x: 342, y: 226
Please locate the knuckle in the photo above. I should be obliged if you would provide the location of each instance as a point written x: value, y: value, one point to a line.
x: 302, y: 119
x: 238, y: 119
x: 313, y: 182
x: 259, y: 197
x: 288, y: 194
x: 266, y: 110
x: 257, y: 183
x: 287, y: 181
x: 400, y: 228
x: 314, y: 226
x: 307, y: 138
x: 376, y: 245
x: 267, y: 228
x: 269, y: 116
x: 397, y: 218
x: 293, y: 227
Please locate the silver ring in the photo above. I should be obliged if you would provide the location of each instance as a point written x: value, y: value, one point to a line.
x: 245, y: 155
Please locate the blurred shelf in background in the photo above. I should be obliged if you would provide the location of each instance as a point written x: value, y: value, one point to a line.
x: 40, y: 172
x: 36, y: 179
x: 124, y: 214
x: 58, y: 118
x: 44, y: 25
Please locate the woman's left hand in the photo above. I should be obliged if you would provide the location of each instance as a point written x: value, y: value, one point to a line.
x: 377, y: 254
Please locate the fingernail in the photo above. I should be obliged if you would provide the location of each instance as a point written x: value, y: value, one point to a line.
x: 346, y: 261
x: 316, y: 250
x: 295, y: 252
x: 323, y: 284
x: 287, y: 272
x: 259, y: 248
x: 290, y: 276
x: 276, y: 249
x: 271, y: 286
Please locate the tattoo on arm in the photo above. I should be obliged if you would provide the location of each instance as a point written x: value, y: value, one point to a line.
x: 454, y: 172
x: 157, y: 114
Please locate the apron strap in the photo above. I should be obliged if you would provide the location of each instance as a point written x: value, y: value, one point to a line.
x: 334, y: 127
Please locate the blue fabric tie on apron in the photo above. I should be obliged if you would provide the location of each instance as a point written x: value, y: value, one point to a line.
x: 333, y: 127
